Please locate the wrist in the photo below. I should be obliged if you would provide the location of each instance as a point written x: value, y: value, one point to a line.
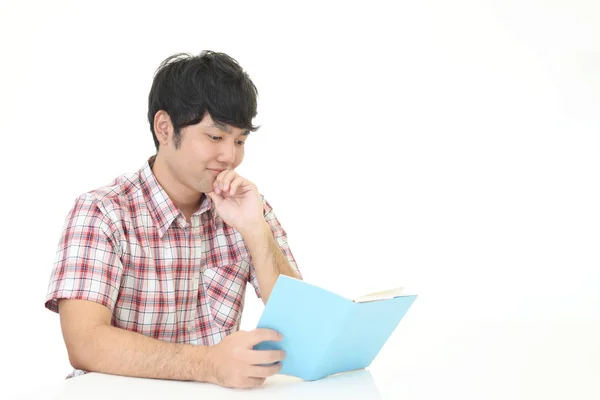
x: 256, y: 232
x: 203, y: 365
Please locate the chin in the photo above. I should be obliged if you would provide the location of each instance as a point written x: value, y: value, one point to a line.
x: 204, y: 187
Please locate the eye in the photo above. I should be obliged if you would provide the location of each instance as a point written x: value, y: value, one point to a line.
x: 215, y: 138
x: 241, y: 142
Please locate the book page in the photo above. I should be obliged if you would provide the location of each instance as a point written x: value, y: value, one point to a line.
x: 386, y: 294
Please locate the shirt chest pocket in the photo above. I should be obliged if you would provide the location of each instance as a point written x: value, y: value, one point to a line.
x: 225, y: 288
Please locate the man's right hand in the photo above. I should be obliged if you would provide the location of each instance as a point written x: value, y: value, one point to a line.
x: 234, y: 363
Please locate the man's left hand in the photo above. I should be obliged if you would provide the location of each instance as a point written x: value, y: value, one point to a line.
x: 237, y: 201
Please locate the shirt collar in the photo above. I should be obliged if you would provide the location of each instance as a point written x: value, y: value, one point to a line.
x: 162, y: 209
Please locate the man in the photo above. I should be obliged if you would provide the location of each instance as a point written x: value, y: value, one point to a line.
x: 151, y: 271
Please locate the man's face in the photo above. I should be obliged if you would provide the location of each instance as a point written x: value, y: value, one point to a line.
x: 205, y: 150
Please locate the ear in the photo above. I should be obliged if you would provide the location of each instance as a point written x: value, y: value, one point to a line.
x: 163, y: 128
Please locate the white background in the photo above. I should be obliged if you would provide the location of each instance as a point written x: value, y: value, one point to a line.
x: 452, y: 147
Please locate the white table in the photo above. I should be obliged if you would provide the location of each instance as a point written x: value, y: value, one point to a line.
x: 107, y: 387
x: 453, y: 360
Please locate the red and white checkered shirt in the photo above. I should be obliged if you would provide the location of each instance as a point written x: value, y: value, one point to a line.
x: 128, y: 247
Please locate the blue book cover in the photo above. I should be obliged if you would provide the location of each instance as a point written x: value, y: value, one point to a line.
x: 325, y: 333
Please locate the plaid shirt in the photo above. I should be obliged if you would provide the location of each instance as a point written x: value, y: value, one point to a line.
x: 127, y: 246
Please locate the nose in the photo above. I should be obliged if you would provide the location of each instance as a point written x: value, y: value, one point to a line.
x: 227, y: 153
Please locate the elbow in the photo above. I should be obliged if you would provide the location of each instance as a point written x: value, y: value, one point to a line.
x: 81, y: 323
x: 78, y: 357
x: 81, y: 352
x: 74, y: 360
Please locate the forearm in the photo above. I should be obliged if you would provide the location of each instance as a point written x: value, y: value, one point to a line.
x: 269, y: 262
x: 111, y: 350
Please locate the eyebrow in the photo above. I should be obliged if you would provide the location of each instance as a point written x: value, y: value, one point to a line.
x: 227, y: 129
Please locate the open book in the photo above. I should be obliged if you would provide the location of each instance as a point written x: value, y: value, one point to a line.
x: 324, y: 333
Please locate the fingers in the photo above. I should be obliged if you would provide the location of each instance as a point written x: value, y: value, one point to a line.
x: 224, y: 180
x: 262, y: 335
x: 252, y: 383
x: 258, y: 357
x: 229, y: 182
x: 217, y: 199
x: 264, y: 372
x: 243, y: 383
x: 235, y: 184
x: 239, y: 365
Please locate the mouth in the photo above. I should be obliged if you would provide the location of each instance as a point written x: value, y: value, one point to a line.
x: 216, y: 171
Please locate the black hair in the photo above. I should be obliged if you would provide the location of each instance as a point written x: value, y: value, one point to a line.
x: 185, y: 86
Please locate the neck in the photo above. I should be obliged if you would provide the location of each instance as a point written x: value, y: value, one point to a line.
x: 185, y: 199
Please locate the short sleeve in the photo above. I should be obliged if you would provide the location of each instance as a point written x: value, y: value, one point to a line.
x: 280, y: 238
x: 87, y: 264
